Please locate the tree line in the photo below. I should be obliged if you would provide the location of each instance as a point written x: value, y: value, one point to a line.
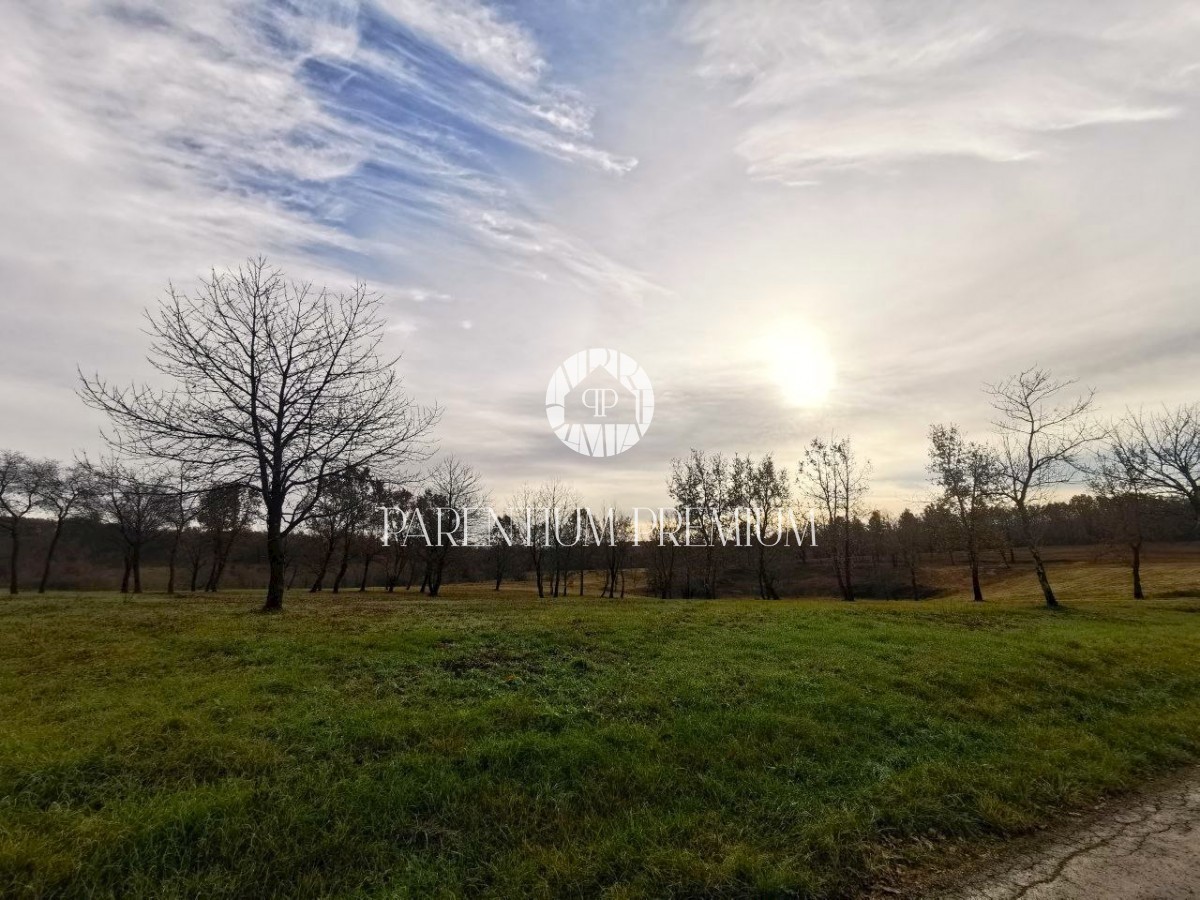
x: 275, y: 414
x: 998, y: 494
x: 131, y: 515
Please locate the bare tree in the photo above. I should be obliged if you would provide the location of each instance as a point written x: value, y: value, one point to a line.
x: 702, y: 484
x: 1042, y: 430
x: 880, y: 538
x: 367, y: 540
x: 762, y: 490
x: 330, y: 521
x: 396, y: 554
x: 278, y: 386
x: 65, y: 491
x: 1122, y: 484
x: 459, y: 487
x: 530, y: 508
x: 909, y: 542
x: 194, y: 548
x: 23, y: 483
x: 501, y: 536
x: 1164, y: 449
x: 832, y: 477
x: 663, y: 553
x: 138, y: 501
x: 354, y: 502
x: 182, y: 513
x: 563, y: 502
x: 224, y: 513
x: 426, y: 506
x: 584, y: 540
x: 616, y: 544
x: 967, y: 474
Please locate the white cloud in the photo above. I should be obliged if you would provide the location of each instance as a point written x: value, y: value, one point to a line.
x: 476, y: 35
x: 148, y: 140
x: 199, y: 123
x: 869, y: 84
x: 420, y: 295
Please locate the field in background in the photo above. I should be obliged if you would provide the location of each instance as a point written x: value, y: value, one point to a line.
x: 1081, y: 573
x: 388, y: 746
x: 939, y: 575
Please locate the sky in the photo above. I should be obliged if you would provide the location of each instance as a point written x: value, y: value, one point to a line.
x: 801, y: 218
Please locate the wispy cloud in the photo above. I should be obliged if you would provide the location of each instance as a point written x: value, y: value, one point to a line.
x: 874, y: 84
x: 293, y: 127
x: 418, y: 295
x: 448, y: 153
x: 476, y: 35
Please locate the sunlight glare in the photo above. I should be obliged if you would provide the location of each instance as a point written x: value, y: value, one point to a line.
x: 801, y: 365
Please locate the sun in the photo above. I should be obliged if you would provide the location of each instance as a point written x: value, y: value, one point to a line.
x: 801, y: 365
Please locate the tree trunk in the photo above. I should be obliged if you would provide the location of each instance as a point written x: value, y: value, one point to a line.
x: 13, y: 587
x: 125, y: 575
x: 976, y: 590
x: 1137, y: 572
x: 1038, y: 565
x: 50, y: 556
x: 170, y: 562
x: 438, y: 570
x: 319, y: 584
x: 218, y: 569
x: 275, y: 559
x: 136, y: 562
x: 214, y: 571
x: 846, y: 552
x: 342, y: 566
x: 226, y: 550
x: 1043, y: 579
x: 362, y: 585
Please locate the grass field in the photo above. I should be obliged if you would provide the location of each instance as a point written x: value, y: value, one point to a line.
x: 389, y: 746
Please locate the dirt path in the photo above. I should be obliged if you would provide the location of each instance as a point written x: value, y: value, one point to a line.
x: 1146, y: 849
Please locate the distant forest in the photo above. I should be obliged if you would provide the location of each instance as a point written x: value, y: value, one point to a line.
x: 343, y: 554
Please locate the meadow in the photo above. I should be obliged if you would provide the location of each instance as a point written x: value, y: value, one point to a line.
x: 490, y: 744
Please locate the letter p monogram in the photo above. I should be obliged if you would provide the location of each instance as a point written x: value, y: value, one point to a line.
x: 599, y: 400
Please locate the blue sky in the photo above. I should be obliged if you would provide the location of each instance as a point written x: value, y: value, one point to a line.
x: 899, y: 200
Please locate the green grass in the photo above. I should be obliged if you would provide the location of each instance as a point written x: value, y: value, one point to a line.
x: 380, y: 747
